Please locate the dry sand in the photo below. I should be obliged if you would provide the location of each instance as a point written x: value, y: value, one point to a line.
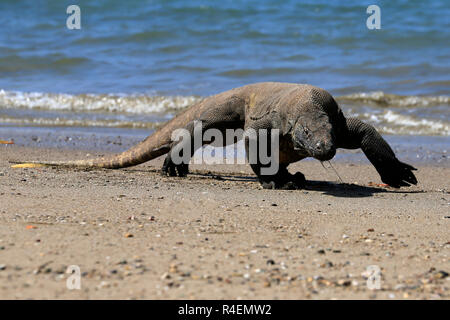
x: 135, y: 234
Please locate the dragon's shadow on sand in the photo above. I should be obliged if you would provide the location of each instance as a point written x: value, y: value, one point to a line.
x: 336, y: 189
x: 350, y: 190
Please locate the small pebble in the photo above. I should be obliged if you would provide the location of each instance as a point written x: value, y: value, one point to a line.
x: 440, y: 275
x: 165, y: 276
x: 344, y: 283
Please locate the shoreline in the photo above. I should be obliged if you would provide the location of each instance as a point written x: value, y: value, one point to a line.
x: 216, y: 234
x: 86, y: 81
x: 416, y: 150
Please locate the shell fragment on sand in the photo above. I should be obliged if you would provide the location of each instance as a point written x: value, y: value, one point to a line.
x: 28, y: 165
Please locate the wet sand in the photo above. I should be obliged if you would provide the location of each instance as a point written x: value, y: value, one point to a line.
x: 217, y: 235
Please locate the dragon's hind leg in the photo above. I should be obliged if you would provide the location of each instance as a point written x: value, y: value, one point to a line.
x: 219, y: 118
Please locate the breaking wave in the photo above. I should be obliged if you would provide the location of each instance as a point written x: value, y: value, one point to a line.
x: 390, y: 113
x: 137, y: 104
x: 381, y: 99
x: 394, y: 123
x: 65, y: 122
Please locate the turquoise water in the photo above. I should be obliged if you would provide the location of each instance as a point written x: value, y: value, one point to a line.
x: 134, y: 63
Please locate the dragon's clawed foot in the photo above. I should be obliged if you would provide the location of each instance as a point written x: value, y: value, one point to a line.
x: 171, y: 169
x: 397, y: 174
x: 284, y: 181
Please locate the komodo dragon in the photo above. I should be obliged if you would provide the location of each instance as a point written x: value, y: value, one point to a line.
x: 310, y: 124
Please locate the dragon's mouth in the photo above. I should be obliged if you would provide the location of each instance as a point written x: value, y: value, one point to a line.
x: 302, y: 149
x: 318, y: 151
x: 323, y: 150
x: 324, y: 156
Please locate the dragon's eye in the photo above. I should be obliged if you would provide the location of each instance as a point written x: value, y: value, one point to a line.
x: 305, y: 130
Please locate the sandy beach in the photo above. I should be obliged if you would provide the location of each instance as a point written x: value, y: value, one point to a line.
x: 94, y: 78
x: 217, y: 235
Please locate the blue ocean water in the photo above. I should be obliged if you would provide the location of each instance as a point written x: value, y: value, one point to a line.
x: 127, y: 52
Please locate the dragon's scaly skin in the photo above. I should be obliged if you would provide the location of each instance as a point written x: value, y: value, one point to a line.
x: 310, y: 123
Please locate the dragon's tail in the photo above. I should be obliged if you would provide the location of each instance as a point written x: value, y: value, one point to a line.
x: 153, y: 146
x: 148, y: 149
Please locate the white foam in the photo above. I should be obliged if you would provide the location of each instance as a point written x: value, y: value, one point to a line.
x: 137, y: 104
x: 392, y: 122
x: 393, y: 100
x: 402, y: 121
x: 64, y: 122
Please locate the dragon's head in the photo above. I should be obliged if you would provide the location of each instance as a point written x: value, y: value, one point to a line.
x: 313, y: 135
